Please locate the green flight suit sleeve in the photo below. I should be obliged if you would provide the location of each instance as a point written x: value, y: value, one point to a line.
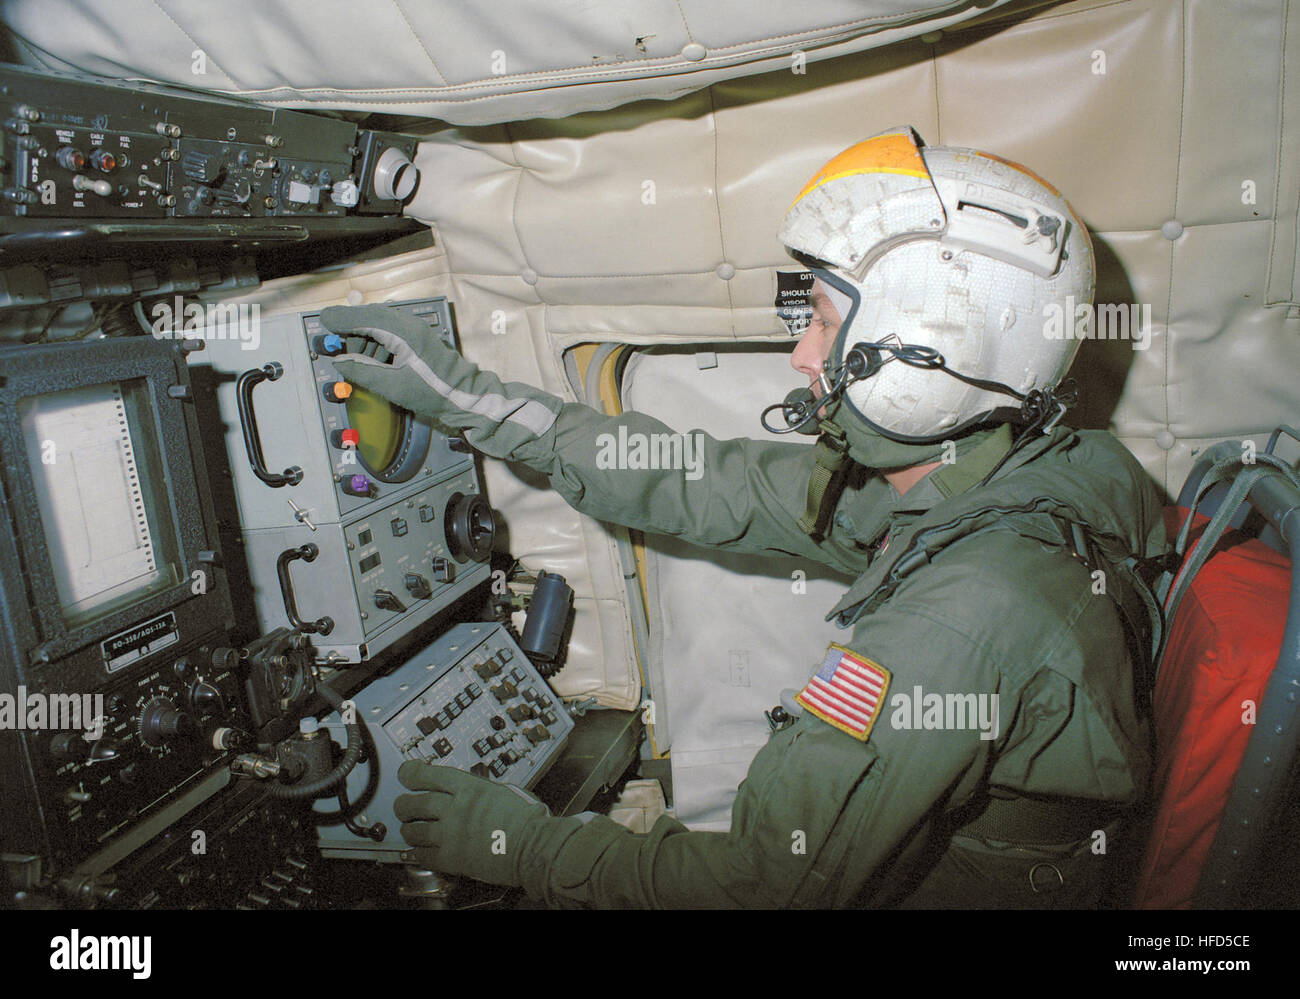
x: 739, y: 495
x: 820, y: 816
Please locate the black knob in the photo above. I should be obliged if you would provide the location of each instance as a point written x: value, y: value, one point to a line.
x: 238, y: 194
x: 161, y: 722
x: 205, y: 698
x: 67, y: 747
x: 444, y: 570
x: 498, y: 722
x: 469, y: 527
x: 418, y: 586
x: 202, y: 167
x: 387, y: 600
x: 103, y: 750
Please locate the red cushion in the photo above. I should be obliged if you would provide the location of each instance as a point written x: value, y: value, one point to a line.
x: 1222, y: 648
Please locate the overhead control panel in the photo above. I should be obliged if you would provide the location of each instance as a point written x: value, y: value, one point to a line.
x: 81, y: 149
x: 359, y: 521
x: 85, y: 147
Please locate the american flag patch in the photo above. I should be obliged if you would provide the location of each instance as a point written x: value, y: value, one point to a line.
x: 846, y: 692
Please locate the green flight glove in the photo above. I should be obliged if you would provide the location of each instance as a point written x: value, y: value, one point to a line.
x: 462, y: 824
x: 428, y: 377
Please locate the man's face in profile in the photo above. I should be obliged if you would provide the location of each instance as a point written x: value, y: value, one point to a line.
x: 815, y: 345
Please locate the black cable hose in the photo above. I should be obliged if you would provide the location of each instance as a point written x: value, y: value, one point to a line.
x: 348, y: 810
x: 118, y: 319
x: 377, y: 832
x: 301, y: 792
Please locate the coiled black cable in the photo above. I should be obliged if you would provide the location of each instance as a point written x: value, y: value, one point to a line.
x: 316, y: 788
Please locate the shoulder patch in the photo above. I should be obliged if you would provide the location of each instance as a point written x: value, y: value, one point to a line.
x: 846, y: 692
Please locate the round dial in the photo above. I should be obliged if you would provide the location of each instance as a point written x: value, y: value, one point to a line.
x: 161, y: 722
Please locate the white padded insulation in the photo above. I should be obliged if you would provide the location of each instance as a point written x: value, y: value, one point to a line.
x: 728, y: 631
x: 471, y: 63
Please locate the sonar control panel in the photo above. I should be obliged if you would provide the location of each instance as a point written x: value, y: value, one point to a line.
x: 359, y: 521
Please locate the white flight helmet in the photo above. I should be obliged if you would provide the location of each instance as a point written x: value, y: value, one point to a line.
x: 941, y: 251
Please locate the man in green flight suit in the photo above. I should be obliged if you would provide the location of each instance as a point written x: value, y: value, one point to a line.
x: 978, y: 736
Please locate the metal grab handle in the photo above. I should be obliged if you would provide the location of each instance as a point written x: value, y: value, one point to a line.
x: 249, y: 380
x: 308, y: 553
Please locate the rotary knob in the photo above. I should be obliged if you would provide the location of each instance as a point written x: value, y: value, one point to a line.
x: 162, y: 722
x: 205, y: 698
x: 469, y: 527
x: 202, y: 167
x: 237, y: 194
x: 68, y: 747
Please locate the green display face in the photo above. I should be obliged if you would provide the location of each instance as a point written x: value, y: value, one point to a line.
x: 380, y: 425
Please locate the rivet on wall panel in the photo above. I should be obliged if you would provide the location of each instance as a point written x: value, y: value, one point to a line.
x: 694, y: 52
x: 1172, y: 229
x: 726, y: 271
x: 355, y: 297
x: 529, y: 275
x: 1165, y: 440
x: 931, y: 37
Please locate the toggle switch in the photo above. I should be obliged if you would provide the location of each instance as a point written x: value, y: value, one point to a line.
x: 520, y: 712
x: 83, y: 183
x: 503, y: 691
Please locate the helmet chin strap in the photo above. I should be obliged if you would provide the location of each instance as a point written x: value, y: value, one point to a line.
x: 1039, y: 412
x: 1039, y: 409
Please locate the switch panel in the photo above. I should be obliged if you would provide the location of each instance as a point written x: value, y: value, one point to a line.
x: 436, y: 707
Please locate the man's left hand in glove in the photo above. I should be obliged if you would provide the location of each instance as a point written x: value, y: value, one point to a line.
x: 462, y: 824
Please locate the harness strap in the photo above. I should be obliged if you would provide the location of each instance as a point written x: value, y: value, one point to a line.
x: 831, y: 465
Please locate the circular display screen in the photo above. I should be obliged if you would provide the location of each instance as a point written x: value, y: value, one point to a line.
x: 379, y: 423
x: 393, y: 443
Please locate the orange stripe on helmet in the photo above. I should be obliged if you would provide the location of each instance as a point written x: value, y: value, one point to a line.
x: 894, y: 152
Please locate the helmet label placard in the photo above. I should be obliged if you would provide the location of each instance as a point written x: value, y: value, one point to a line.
x: 794, y: 300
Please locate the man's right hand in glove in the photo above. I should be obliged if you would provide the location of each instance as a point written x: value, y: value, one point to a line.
x: 428, y: 377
